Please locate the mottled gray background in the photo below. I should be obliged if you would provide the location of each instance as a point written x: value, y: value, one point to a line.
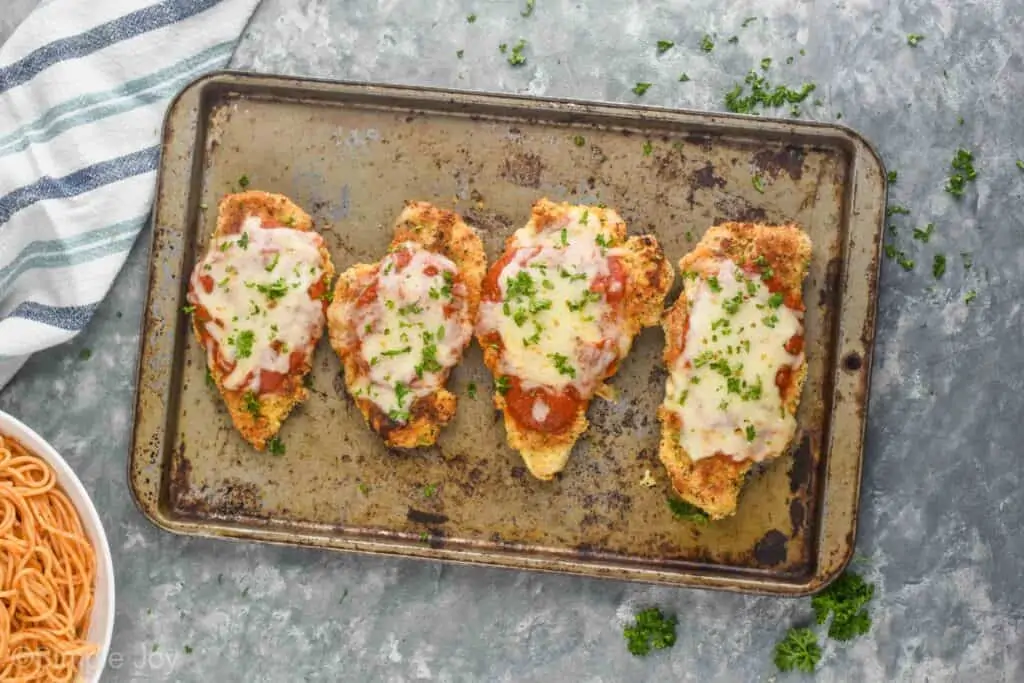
x: 942, y: 506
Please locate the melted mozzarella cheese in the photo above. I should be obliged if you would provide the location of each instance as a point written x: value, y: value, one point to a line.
x: 259, y: 301
x: 722, y: 386
x: 554, y: 330
x: 406, y: 338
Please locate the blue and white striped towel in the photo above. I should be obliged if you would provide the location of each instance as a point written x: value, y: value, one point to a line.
x: 83, y: 90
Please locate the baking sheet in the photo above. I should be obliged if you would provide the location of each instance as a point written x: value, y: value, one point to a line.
x: 350, y: 154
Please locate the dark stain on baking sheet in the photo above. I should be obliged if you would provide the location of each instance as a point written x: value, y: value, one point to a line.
x: 803, y: 462
x: 490, y: 158
x: 789, y: 160
x: 771, y: 549
x: 523, y: 169
x: 830, y: 292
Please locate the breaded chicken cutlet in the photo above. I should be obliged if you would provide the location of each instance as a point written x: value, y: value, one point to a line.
x: 560, y: 310
x: 258, y: 298
x: 734, y: 351
x: 400, y: 325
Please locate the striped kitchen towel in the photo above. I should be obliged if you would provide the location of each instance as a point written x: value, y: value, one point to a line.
x: 83, y: 91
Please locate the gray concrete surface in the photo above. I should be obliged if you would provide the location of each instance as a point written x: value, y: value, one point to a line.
x: 942, y: 506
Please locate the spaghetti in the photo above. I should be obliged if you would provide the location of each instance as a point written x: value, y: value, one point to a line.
x: 47, y: 573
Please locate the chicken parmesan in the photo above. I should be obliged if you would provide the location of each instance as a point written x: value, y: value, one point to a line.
x: 400, y: 325
x: 734, y: 351
x: 560, y: 310
x: 257, y: 299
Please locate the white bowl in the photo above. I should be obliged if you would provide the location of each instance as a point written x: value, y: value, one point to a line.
x: 101, y: 623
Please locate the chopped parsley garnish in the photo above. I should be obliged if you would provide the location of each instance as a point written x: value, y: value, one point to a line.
x: 243, y: 241
x: 602, y: 240
x: 775, y: 300
x: 750, y: 433
x: 396, y: 352
x: 471, y: 390
x: 896, y: 209
x: 572, y: 277
x: 400, y: 416
x: 970, y: 296
x: 913, y: 39
x: 585, y: 218
x: 588, y: 297
x: 714, y: 285
x: 687, y: 511
x: 562, y: 365
x: 429, y: 490
x: 273, y: 264
x: 517, y: 58
x: 274, y: 290
x: 243, y: 182
x: 924, y: 234
x: 963, y: 164
x: 275, y: 446
x: 683, y: 78
x: 758, y: 183
x: 732, y: 305
x: 401, y: 391
x: 766, y: 63
x: 252, y: 404
x: 410, y: 309
x: 891, y: 177
x: 530, y: 5
x: 647, y: 148
x: 188, y: 309
x: 763, y: 94
x: 224, y: 282
x: 664, y: 46
x: 209, y: 379
x: 243, y: 343
x: 327, y: 296
x: 939, y: 266
x: 522, y: 285
x: 502, y: 385
x: 565, y: 237
x: 640, y: 88
x: 651, y: 630
x: 846, y: 600
x: 798, y: 650
x: 706, y: 43
x: 579, y: 140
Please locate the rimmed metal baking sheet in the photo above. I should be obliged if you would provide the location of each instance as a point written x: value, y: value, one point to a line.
x: 350, y: 154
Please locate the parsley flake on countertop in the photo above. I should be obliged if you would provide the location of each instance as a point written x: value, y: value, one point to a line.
x: 684, y: 78
x: 891, y: 177
x: 243, y: 182
x: 748, y: 21
x: 766, y: 63
x: 664, y: 46
x: 530, y: 6
x: 640, y: 88
x: 579, y: 140
x: 517, y: 58
x: 758, y: 183
x: 647, y: 148
x: 85, y: 354
x: 896, y: 209
x: 913, y: 39
x: 429, y: 490
x: 846, y: 600
x: 924, y: 234
x: 733, y: 40
x: 970, y: 296
x: 471, y: 18
x: 651, y: 629
x: 471, y: 390
x: 963, y: 164
x: 798, y: 650
x: 763, y: 94
x: 459, y: 53
x: 706, y: 43
x: 1020, y: 164
x: 939, y: 266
